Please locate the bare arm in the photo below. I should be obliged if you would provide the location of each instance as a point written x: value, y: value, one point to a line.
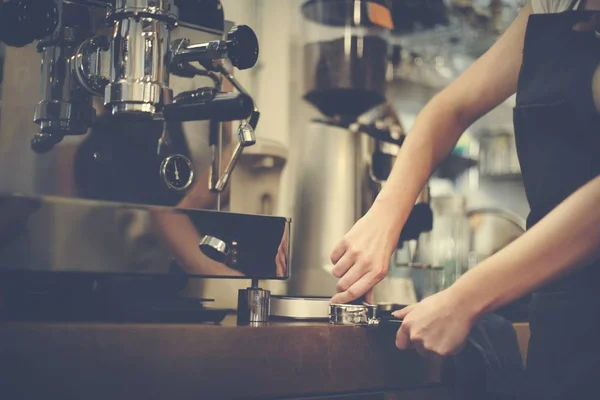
x: 566, y: 239
x: 361, y: 258
x: 482, y: 87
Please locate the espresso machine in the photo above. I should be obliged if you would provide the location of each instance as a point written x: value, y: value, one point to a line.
x: 107, y: 211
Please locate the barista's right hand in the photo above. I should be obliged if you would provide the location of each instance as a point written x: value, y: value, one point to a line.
x: 361, y: 259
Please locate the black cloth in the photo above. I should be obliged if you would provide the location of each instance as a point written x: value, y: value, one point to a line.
x: 557, y: 130
x: 490, y: 366
x: 563, y: 360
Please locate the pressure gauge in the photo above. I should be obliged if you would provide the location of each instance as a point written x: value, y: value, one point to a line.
x: 177, y: 172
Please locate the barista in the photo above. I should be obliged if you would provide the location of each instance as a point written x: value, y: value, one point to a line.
x: 550, y: 57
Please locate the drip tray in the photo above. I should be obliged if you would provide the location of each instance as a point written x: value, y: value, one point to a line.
x: 300, y: 308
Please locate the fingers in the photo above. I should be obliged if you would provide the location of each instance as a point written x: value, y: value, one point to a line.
x: 404, y: 341
x: 338, y: 252
x: 403, y: 337
x: 369, y: 296
x: 423, y: 352
x: 355, y: 291
x: 343, y: 264
x: 280, y: 260
x: 401, y: 314
x: 351, y: 277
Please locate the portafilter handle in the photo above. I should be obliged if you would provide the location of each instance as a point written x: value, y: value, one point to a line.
x: 386, y: 322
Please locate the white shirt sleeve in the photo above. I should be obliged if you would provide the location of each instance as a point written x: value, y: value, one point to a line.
x: 539, y: 6
x: 550, y: 6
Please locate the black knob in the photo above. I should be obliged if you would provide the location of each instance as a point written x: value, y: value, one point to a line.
x: 44, y: 142
x: 23, y: 21
x: 242, y: 47
x: 419, y: 221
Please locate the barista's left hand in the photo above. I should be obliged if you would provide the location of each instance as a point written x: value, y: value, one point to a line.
x: 438, y: 325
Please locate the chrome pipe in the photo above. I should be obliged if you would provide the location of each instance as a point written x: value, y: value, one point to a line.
x: 139, y: 81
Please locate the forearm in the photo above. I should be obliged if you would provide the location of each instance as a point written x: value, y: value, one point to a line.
x: 440, y: 124
x: 564, y: 240
x: 434, y: 134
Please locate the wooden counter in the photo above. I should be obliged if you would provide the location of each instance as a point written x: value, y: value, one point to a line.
x: 147, y: 361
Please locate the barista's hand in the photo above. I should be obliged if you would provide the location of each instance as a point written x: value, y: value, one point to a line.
x: 437, y: 325
x: 362, y: 258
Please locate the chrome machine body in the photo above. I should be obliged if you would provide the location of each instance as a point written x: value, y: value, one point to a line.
x: 111, y: 187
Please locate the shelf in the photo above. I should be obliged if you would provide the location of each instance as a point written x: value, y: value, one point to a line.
x: 515, y: 176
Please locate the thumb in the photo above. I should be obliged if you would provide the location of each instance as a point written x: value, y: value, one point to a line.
x: 403, y: 338
x: 402, y: 313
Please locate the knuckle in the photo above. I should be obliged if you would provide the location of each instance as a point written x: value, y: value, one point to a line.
x: 353, y: 252
x: 380, y: 273
x: 345, y: 243
x: 341, y: 287
x: 416, y: 337
x: 353, y: 293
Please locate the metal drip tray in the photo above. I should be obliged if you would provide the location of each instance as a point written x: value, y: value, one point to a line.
x: 55, y: 234
x: 300, y: 308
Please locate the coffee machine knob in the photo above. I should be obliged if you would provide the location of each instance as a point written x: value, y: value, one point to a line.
x: 44, y: 142
x: 23, y: 21
x: 214, y: 248
x: 242, y: 47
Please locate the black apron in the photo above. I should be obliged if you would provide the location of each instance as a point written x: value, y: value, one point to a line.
x: 557, y: 131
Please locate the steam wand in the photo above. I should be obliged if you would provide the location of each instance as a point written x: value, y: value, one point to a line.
x: 246, y: 136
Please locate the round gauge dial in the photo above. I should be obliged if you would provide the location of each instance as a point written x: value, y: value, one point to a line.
x: 177, y: 172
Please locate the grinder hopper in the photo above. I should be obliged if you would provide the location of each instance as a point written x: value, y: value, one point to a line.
x: 346, y: 55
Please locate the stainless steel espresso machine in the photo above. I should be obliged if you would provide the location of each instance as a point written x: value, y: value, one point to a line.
x: 116, y: 202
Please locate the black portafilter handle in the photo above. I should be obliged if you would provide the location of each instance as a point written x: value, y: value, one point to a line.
x: 389, y: 323
x: 419, y: 221
x: 201, y: 105
x: 380, y: 134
